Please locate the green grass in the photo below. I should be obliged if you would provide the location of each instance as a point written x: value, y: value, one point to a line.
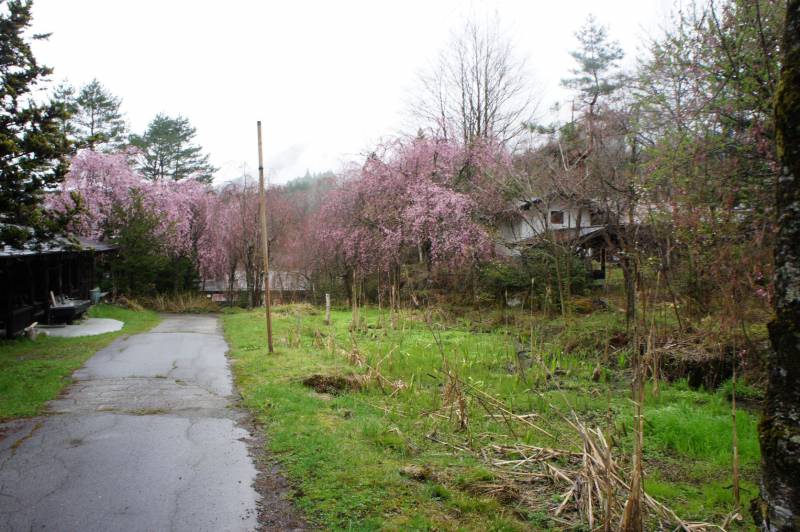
x: 699, y: 425
x: 345, y: 453
x: 33, y: 372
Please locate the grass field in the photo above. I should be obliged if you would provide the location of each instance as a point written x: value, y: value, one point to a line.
x: 402, y: 453
x: 33, y: 372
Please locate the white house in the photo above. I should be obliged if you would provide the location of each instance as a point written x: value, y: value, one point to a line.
x: 556, y: 217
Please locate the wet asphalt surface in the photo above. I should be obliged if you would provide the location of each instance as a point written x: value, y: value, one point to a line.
x: 147, y: 439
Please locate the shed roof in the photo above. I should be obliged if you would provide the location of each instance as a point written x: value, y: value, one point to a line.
x: 59, y: 244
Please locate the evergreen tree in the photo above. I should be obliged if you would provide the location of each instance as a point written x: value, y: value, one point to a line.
x: 64, y: 96
x: 32, y: 145
x: 141, y: 252
x: 97, y: 120
x: 168, y: 151
x: 597, y: 61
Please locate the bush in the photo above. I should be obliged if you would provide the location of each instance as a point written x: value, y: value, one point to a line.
x: 142, y: 265
x: 744, y: 391
x: 535, y: 269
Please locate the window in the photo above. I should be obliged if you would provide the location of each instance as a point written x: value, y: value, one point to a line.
x: 556, y: 217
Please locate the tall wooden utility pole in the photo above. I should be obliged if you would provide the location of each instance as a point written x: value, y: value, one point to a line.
x: 262, y: 207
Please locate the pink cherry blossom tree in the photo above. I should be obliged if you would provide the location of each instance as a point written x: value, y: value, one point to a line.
x: 101, y: 187
x: 429, y: 198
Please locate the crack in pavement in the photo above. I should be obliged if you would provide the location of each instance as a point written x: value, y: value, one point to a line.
x: 131, y: 449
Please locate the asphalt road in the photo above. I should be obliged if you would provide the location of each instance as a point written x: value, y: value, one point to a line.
x: 146, y: 439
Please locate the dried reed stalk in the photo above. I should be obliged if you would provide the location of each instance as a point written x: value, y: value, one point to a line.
x: 593, y: 481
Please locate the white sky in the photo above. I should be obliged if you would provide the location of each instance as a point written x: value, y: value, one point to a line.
x: 327, y: 78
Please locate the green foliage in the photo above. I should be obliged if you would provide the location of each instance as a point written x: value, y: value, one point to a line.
x: 344, y: 452
x: 64, y: 96
x: 143, y: 265
x: 535, y: 269
x: 32, y: 145
x: 706, y: 97
x: 33, y: 372
x: 179, y: 274
x: 744, y: 392
x: 700, y: 499
x: 500, y: 275
x: 97, y: 121
x: 699, y: 426
x: 168, y: 151
x: 597, y: 60
x: 141, y: 255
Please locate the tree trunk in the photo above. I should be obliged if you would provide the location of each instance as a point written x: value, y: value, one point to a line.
x: 629, y: 276
x: 348, y: 285
x: 779, y: 506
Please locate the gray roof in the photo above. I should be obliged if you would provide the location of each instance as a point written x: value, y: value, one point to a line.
x: 216, y: 285
x: 59, y: 244
x: 278, y: 280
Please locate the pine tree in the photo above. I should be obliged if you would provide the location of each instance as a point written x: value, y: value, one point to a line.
x: 32, y: 145
x: 168, y: 151
x: 98, y: 122
x: 597, y: 58
x: 64, y: 95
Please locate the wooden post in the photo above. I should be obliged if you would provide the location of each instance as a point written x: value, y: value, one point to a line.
x: 603, y: 263
x: 327, y: 309
x: 262, y: 203
x: 355, y: 301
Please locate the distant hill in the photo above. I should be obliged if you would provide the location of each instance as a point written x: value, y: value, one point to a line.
x: 307, y: 181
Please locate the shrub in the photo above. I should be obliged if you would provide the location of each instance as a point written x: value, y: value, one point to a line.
x: 143, y: 265
x: 513, y: 275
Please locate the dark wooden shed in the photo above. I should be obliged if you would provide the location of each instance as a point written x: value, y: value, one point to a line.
x: 64, y: 266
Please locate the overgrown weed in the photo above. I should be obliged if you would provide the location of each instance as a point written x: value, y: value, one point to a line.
x: 375, y: 432
x: 188, y: 302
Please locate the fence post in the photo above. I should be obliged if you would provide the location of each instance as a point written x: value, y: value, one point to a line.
x: 327, y: 309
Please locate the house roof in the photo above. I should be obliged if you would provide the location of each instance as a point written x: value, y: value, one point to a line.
x: 59, y: 244
x: 526, y: 204
x: 566, y: 234
x: 216, y: 285
x: 278, y: 280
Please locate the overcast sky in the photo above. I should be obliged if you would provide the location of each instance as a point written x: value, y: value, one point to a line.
x: 327, y: 78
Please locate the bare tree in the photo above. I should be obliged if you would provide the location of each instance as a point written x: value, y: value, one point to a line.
x: 478, y: 88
